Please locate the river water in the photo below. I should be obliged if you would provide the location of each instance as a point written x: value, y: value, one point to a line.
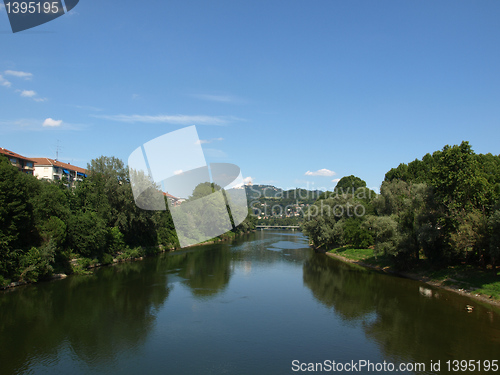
x: 263, y: 304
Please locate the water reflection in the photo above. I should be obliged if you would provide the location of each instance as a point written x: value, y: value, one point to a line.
x: 98, y: 317
x: 246, y: 307
x: 268, y: 247
x: 408, y: 320
x: 205, y: 271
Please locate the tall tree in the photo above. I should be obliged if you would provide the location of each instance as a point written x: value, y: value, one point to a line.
x: 349, y: 183
x: 16, y: 216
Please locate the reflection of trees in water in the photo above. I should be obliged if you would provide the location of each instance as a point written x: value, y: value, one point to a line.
x: 266, y: 247
x: 350, y: 291
x: 406, y: 325
x: 206, y: 271
x: 98, y: 316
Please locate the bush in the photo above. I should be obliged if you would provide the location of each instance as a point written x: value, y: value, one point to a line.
x: 115, y: 240
x: 37, y: 262
x: 53, y: 229
x: 356, y: 235
x: 3, y: 282
x: 88, y: 234
x: 106, y: 259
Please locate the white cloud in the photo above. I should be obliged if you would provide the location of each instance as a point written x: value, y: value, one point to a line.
x: 19, y: 74
x: 88, y: 107
x: 178, y: 172
x: 248, y: 180
x: 336, y: 180
x: 51, y: 122
x: 4, y: 82
x: 204, y: 141
x: 28, y: 93
x: 37, y: 124
x: 321, y: 172
x: 219, y: 98
x: 31, y: 94
x: 23, y: 123
x: 171, y: 119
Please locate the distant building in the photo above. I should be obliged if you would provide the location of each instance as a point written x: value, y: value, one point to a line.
x: 174, y: 200
x: 22, y: 163
x: 50, y: 169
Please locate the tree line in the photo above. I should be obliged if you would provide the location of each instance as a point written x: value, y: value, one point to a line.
x: 46, y: 225
x: 444, y: 208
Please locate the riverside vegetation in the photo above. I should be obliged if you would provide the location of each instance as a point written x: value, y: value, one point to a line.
x: 438, y: 217
x: 47, y: 227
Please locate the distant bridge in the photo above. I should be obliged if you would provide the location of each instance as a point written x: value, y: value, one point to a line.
x: 277, y: 227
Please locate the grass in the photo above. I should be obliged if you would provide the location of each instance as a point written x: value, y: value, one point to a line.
x: 364, y: 255
x: 466, y: 277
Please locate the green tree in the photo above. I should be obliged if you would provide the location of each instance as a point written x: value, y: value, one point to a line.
x: 17, y: 229
x: 494, y: 239
x: 348, y: 183
x: 459, y: 180
x: 88, y: 234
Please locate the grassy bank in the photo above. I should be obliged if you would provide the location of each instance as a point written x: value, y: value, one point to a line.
x: 463, y: 278
x: 75, y: 264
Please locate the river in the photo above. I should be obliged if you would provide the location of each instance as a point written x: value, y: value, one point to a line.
x: 263, y: 304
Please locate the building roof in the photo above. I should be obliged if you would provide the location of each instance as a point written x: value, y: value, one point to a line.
x: 170, y: 196
x: 14, y: 155
x: 39, y: 162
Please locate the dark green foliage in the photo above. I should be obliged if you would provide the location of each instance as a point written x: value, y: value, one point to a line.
x: 335, y: 218
x: 53, y: 229
x: 355, y: 234
x: 459, y: 179
x: 203, y: 190
x: 43, y: 225
x: 349, y: 182
x: 443, y: 208
x: 17, y: 227
x: 494, y: 238
x: 16, y: 211
x: 87, y: 234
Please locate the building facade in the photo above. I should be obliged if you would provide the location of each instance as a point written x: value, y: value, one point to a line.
x: 22, y: 163
x: 50, y: 169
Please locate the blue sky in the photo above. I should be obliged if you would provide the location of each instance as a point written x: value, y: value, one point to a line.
x: 280, y: 88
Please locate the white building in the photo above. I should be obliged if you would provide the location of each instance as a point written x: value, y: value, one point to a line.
x: 51, y: 169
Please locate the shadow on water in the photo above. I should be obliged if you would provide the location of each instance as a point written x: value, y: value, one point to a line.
x: 206, y: 272
x: 102, y: 315
x: 268, y: 247
x: 242, y: 308
x: 97, y: 316
x: 409, y: 320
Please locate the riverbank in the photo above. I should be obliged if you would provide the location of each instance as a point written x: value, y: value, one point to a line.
x: 83, y: 266
x: 472, y: 282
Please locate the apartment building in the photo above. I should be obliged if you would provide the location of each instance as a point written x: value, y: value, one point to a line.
x: 51, y: 169
x: 23, y: 163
